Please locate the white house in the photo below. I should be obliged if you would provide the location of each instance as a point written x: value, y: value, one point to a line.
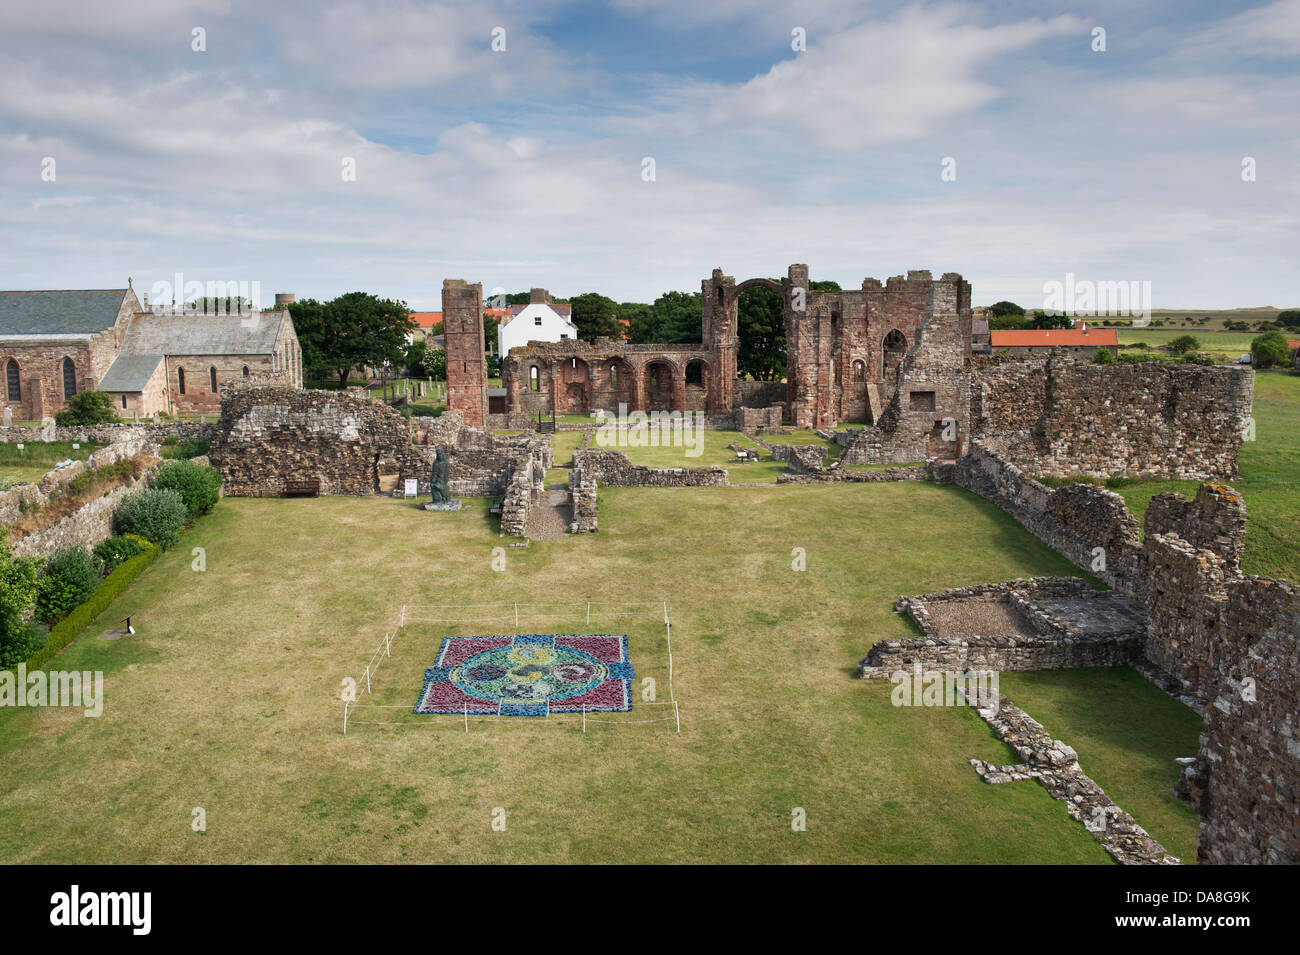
x: 538, y: 321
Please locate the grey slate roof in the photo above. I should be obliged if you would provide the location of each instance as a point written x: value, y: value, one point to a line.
x: 129, y: 373
x: 253, y: 334
x: 66, y: 312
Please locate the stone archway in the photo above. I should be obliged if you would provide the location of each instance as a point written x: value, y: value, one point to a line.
x: 660, y: 378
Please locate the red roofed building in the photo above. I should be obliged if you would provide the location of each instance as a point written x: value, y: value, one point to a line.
x: 1079, y: 342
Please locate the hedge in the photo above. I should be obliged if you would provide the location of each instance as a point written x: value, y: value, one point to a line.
x: 67, y: 629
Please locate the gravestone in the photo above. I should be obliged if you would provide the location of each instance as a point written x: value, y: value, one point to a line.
x: 8, y: 417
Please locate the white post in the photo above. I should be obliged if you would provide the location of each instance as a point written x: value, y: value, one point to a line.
x: 589, y: 613
x: 584, y: 719
x: 402, y: 622
x: 670, y: 653
x: 367, y: 677
x: 678, y: 714
x: 345, y: 718
x: 388, y: 644
x: 466, y: 705
x: 516, y: 618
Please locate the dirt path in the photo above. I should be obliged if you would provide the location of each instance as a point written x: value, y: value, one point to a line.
x: 548, y: 519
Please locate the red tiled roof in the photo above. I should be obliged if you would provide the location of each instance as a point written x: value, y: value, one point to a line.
x: 427, y: 319
x: 1064, y: 337
x: 1293, y: 343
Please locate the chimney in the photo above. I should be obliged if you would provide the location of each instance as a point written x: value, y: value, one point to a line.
x: 284, y: 299
x: 539, y: 296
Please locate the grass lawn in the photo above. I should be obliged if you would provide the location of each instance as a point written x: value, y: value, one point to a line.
x: 1123, y: 738
x: 38, y: 457
x: 706, y: 448
x: 226, y: 697
x: 1269, y: 481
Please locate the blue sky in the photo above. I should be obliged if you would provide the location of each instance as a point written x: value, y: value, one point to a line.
x: 524, y: 167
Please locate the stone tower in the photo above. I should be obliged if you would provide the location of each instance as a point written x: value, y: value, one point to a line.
x: 462, y: 325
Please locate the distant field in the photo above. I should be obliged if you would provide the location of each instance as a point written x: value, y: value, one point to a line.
x: 1218, y: 344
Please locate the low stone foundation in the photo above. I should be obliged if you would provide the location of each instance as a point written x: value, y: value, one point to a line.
x: 613, y: 469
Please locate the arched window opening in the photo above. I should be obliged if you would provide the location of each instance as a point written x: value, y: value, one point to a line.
x: 13, y: 381
x: 534, y: 379
x: 212, y: 378
x: 695, y: 373
x: 245, y: 371
x: 180, y: 380
x: 69, y: 378
x: 895, y: 345
x: 613, y: 376
x: 859, y: 370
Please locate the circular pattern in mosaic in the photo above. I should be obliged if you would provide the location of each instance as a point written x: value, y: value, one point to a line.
x: 529, y: 673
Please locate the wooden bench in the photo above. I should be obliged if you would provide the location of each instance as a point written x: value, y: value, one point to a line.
x: 307, y: 487
x: 495, y: 509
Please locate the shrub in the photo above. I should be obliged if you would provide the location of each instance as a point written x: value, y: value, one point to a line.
x: 86, y: 408
x: 155, y: 513
x: 69, y: 577
x: 66, y: 630
x: 115, y: 550
x: 198, y: 485
x: 1183, y: 344
x: 1136, y: 358
x: 18, y: 640
x: 1103, y: 357
x: 1271, y: 351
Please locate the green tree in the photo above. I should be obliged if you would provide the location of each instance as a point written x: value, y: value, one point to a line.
x: 87, y: 408
x: 355, y: 329
x: 1103, y: 357
x: 1003, y: 309
x: 1001, y: 323
x: 761, y: 330
x: 595, y: 315
x: 636, y: 314
x: 1184, y: 344
x: 1043, y: 320
x: 673, y: 319
x: 67, y: 580
x: 198, y: 485
x: 1289, y: 317
x: 435, y: 364
x: 18, y: 640
x: 1270, y: 350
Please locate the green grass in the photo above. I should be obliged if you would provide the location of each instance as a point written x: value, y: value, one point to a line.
x: 38, y: 457
x: 1269, y: 480
x: 232, y: 708
x: 1123, y: 737
x: 707, y: 449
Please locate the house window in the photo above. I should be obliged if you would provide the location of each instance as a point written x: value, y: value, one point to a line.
x: 180, y: 380
x: 69, y: 378
x: 12, y: 381
x: 537, y: 319
x: 534, y: 381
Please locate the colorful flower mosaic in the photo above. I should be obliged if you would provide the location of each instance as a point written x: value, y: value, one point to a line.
x: 533, y: 674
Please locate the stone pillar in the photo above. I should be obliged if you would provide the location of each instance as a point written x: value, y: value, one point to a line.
x: 637, y: 372
x: 679, y: 390
x: 462, y: 322
x: 719, y: 320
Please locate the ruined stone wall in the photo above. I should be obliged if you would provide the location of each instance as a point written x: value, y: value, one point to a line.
x: 270, y: 436
x: 114, y: 433
x: 462, y: 324
x: 582, y: 501
x: 1155, y: 419
x: 1074, y: 520
x: 1235, y: 641
x: 90, y: 523
x: 613, y: 469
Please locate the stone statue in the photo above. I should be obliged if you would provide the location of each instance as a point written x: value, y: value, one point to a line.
x: 439, y: 476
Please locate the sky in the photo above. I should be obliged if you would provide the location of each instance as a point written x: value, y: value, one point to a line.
x: 632, y: 147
